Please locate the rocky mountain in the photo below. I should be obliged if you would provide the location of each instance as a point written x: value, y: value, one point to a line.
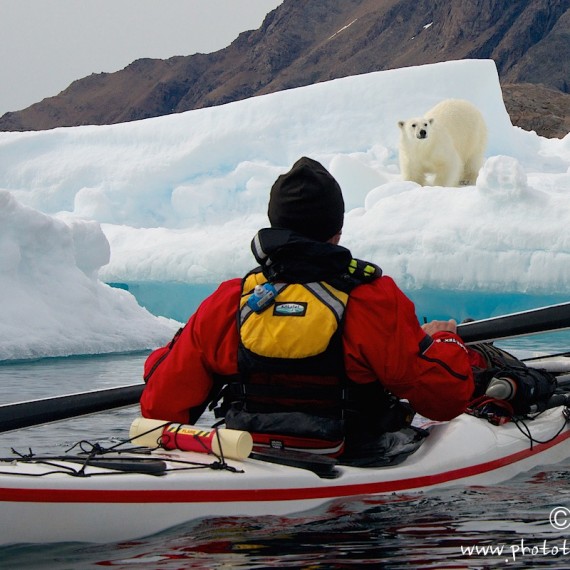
x: 306, y: 41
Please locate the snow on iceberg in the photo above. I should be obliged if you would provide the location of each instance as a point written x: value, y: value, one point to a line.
x: 51, y: 301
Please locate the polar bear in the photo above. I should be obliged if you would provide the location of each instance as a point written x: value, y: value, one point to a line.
x: 448, y: 142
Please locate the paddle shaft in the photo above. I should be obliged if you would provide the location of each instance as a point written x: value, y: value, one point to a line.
x: 25, y: 414
x: 34, y: 412
x: 545, y: 319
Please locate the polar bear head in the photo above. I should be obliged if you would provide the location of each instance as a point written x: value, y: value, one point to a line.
x: 416, y: 128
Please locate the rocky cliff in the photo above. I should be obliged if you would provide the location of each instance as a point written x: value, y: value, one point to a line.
x: 307, y: 41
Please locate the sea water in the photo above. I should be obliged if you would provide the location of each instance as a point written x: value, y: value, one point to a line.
x: 505, y: 525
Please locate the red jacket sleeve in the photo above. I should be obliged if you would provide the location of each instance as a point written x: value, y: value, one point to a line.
x: 180, y: 377
x: 384, y: 341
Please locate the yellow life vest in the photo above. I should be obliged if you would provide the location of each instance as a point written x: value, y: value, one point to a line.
x: 299, y: 323
x: 293, y: 385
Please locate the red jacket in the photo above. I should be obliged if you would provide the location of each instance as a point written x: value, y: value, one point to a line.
x: 382, y: 341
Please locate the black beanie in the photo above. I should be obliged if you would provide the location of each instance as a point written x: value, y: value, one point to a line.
x: 308, y: 200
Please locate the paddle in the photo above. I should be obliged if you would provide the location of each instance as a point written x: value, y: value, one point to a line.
x: 552, y: 318
x: 25, y: 414
x: 34, y: 412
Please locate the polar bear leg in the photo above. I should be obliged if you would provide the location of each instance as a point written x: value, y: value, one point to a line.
x: 471, y: 170
x: 448, y: 173
x: 412, y: 172
x: 416, y: 176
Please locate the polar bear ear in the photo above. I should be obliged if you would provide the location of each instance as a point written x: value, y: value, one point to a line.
x: 401, y: 124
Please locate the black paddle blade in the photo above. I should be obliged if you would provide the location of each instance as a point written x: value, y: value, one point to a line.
x: 321, y: 465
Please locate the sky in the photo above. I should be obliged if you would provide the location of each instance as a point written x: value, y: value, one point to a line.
x: 47, y: 44
x: 176, y: 200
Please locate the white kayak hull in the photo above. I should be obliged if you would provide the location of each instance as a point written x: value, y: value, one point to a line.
x: 111, y: 506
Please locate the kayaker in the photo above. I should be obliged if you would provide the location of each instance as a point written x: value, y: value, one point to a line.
x: 325, y: 348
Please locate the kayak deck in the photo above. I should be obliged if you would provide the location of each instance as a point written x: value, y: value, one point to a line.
x: 62, y: 500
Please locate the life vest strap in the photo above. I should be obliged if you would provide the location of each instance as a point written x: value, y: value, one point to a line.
x: 241, y: 391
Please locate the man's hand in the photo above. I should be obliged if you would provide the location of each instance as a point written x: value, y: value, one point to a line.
x: 436, y: 326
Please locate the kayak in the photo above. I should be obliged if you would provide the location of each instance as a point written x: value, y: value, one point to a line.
x: 125, y: 496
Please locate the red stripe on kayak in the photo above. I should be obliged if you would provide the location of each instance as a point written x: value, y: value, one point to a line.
x: 290, y: 494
